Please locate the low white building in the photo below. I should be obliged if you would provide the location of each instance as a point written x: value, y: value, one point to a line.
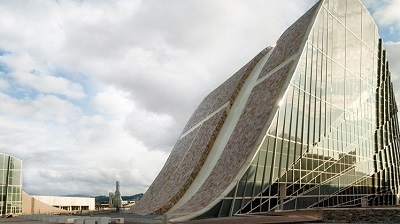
x: 68, y: 203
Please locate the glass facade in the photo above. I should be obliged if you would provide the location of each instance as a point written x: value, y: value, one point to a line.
x: 334, y: 140
x: 10, y: 185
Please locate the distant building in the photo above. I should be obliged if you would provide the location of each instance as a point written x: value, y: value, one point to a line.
x: 71, y: 204
x: 31, y: 205
x: 10, y: 185
x: 111, y: 200
x: 115, y: 199
x: 309, y: 123
x: 14, y: 201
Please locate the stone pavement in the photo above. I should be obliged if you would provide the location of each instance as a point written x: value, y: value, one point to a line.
x: 20, y: 221
x: 265, y: 218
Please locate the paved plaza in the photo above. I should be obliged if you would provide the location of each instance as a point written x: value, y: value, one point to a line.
x: 276, y: 217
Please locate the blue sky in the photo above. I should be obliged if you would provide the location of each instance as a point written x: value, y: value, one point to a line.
x: 386, y: 15
x: 97, y: 91
x: 388, y: 34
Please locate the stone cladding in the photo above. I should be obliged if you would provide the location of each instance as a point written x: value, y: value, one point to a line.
x: 181, y: 167
x: 169, y: 168
x: 253, y: 119
x: 290, y: 42
x: 191, y: 151
x: 226, y: 92
x: 191, y: 164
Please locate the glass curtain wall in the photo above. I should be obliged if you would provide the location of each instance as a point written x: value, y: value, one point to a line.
x: 10, y: 185
x: 334, y: 140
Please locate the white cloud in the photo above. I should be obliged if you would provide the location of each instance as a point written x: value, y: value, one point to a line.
x: 88, y: 150
x: 30, y: 126
x: 61, y: 112
x: 387, y: 17
x: 157, y: 131
x: 3, y: 83
x: 133, y: 72
x: 113, y: 102
x: 393, y: 56
x: 28, y: 72
x: 387, y: 13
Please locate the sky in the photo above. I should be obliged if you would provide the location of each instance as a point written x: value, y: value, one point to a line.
x: 95, y: 91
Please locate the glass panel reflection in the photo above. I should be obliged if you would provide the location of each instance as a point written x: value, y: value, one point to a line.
x: 10, y: 184
x: 334, y: 141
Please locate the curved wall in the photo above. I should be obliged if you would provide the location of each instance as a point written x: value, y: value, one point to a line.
x: 315, y: 126
x: 193, y: 147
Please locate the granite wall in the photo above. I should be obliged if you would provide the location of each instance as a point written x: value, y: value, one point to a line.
x: 191, y: 150
x: 226, y: 92
x: 253, y: 119
x: 290, y: 41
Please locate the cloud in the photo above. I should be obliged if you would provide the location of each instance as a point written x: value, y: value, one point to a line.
x: 387, y: 13
x: 27, y: 73
x: 98, y: 91
x: 169, y: 61
x: 387, y: 17
x: 35, y: 125
x: 3, y: 83
x: 112, y: 102
x: 393, y: 56
x: 62, y: 112
x: 157, y: 131
x: 82, y: 150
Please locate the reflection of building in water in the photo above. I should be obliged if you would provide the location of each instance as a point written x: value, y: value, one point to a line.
x: 10, y: 185
x: 309, y: 123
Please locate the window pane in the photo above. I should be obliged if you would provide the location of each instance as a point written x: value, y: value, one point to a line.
x: 353, y: 17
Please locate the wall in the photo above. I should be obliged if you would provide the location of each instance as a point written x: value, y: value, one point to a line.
x: 68, y: 201
x: 31, y: 205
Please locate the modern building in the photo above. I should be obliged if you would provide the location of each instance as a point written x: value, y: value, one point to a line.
x: 309, y: 123
x: 35, y: 204
x: 71, y: 204
x: 31, y: 205
x: 15, y: 201
x: 10, y: 185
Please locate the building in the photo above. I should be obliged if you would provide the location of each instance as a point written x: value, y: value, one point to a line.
x: 35, y: 204
x: 31, y: 205
x: 309, y: 123
x: 71, y: 204
x: 10, y: 185
x: 15, y: 201
x: 115, y: 199
x: 111, y: 200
